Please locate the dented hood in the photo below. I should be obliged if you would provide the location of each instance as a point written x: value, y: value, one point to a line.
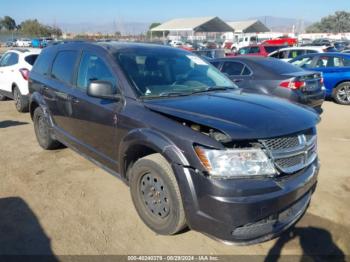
x: 241, y: 116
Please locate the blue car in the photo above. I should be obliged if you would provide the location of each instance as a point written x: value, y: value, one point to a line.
x: 336, y: 73
x: 36, y: 43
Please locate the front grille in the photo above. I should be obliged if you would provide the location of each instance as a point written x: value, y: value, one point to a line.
x: 293, y: 153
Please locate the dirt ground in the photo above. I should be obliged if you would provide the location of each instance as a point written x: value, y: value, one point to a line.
x: 56, y: 202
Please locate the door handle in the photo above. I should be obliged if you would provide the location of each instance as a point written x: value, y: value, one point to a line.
x: 74, y: 100
x: 237, y: 80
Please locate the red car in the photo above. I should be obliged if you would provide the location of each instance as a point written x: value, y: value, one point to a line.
x: 259, y: 50
x: 282, y: 41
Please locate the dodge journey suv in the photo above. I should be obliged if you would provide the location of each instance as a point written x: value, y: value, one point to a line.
x: 194, y: 150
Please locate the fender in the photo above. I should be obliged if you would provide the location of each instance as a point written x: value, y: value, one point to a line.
x: 154, y: 140
x: 37, y: 98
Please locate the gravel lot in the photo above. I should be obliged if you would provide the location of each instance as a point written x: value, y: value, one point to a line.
x: 57, y: 202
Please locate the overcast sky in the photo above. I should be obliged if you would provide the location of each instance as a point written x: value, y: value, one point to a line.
x: 146, y: 11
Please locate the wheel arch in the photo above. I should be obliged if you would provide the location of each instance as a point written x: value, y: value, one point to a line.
x: 143, y: 142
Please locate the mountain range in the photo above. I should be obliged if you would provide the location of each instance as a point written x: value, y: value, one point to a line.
x: 276, y: 24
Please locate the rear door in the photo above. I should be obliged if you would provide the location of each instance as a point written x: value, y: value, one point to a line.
x: 59, y: 95
x: 95, y: 119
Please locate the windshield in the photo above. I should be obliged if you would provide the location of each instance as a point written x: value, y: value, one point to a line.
x: 164, y: 72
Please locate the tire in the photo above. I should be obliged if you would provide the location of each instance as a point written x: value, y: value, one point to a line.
x: 152, y: 180
x: 20, y: 102
x: 341, y: 94
x: 43, y: 132
x: 2, y: 97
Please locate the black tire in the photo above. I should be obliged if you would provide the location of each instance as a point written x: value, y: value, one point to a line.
x: 20, y: 102
x: 43, y: 131
x: 341, y: 94
x: 153, y: 175
x: 2, y: 97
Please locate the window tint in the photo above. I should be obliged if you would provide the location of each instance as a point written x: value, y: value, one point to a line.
x: 295, y: 53
x: 254, y: 50
x: 243, y: 51
x: 4, y: 59
x: 346, y: 61
x: 270, y: 49
x: 246, y: 71
x: 329, y: 61
x: 304, y: 62
x: 63, y: 66
x: 31, y: 59
x: 280, y: 54
x: 42, y: 63
x: 9, y: 59
x: 93, y: 68
x: 216, y: 64
x: 232, y: 68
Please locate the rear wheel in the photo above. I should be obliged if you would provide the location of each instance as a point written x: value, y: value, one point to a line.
x: 341, y: 93
x: 43, y: 131
x: 2, y: 97
x: 156, y: 195
x: 20, y: 102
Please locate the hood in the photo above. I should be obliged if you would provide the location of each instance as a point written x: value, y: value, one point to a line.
x: 239, y: 115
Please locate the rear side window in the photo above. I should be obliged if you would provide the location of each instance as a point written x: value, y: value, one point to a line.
x: 270, y: 49
x: 295, y: 53
x: 42, y: 63
x: 329, y: 61
x: 31, y: 59
x: 9, y: 59
x: 233, y: 68
x: 216, y: 64
x: 63, y: 66
x: 304, y: 62
x: 280, y: 54
x: 254, y: 50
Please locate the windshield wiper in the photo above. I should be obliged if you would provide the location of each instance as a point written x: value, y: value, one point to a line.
x: 214, y: 88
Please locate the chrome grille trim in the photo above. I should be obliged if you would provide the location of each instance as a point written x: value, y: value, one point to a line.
x: 291, y: 154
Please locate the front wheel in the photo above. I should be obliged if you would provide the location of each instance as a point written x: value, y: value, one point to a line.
x: 341, y: 93
x: 156, y: 195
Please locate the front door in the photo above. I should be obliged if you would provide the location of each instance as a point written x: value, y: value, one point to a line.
x: 95, y: 119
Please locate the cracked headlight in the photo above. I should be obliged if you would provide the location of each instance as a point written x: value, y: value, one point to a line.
x: 231, y: 163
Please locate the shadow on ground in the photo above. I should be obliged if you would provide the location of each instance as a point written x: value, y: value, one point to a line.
x: 20, y: 230
x: 317, y: 238
x: 9, y: 123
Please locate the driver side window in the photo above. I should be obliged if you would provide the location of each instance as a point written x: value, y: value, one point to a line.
x: 93, y: 68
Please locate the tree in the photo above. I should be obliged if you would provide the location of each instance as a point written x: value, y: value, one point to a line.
x: 337, y: 23
x: 156, y: 33
x: 34, y: 28
x: 8, y: 23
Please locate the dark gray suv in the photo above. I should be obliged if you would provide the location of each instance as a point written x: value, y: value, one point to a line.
x: 194, y: 150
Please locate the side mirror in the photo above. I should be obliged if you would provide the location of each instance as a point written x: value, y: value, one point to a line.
x: 102, y: 89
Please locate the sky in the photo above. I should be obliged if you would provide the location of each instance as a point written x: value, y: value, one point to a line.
x: 147, y: 11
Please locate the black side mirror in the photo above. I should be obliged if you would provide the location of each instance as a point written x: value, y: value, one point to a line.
x: 102, y: 89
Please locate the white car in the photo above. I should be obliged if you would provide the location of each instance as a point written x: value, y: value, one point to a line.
x: 289, y: 53
x: 24, y: 42
x: 15, y: 66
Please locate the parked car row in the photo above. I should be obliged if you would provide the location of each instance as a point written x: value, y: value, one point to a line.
x: 194, y: 148
x: 26, y: 42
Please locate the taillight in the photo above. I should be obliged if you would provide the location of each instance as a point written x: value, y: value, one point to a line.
x: 292, y: 84
x: 321, y: 80
x: 25, y: 73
